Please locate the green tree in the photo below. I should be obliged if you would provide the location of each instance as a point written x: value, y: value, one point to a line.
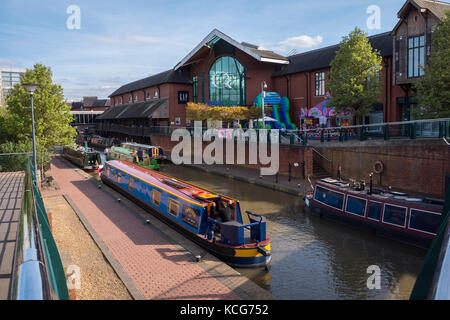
x: 354, y: 77
x: 51, y: 114
x: 433, y: 89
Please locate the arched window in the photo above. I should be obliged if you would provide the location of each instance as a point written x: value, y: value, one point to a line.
x: 227, y: 82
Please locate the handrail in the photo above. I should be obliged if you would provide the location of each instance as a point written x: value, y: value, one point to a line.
x: 314, y: 149
x: 441, y: 286
x: 38, y: 273
x: 30, y: 279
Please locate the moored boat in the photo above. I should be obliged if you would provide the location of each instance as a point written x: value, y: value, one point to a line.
x: 84, y: 158
x: 211, y: 220
x: 413, y: 220
x: 143, y: 155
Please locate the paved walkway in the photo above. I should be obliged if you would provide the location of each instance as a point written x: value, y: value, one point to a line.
x: 151, y: 262
x: 11, y: 189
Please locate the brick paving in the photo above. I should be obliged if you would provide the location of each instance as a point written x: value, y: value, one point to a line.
x: 11, y: 191
x: 158, y: 267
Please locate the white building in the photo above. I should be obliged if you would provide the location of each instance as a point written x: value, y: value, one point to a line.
x: 8, y: 78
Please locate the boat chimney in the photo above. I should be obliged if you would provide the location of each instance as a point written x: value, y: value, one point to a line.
x: 370, y: 183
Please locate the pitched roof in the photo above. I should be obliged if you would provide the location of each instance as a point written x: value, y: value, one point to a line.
x: 157, y: 108
x: 321, y: 58
x: 216, y: 35
x: 169, y: 76
x: 437, y: 8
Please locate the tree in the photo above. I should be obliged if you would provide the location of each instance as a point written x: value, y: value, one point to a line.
x: 433, y: 89
x: 353, y: 81
x: 51, y: 114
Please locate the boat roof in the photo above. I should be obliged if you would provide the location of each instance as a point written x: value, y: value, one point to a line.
x: 146, y: 146
x: 396, y: 197
x: 177, y: 187
x: 123, y: 150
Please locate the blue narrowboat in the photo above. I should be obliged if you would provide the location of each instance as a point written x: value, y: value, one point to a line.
x: 211, y: 220
x: 392, y: 214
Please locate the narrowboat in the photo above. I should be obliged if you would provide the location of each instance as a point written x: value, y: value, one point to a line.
x: 143, y: 155
x: 392, y: 214
x: 211, y: 220
x: 84, y: 158
x: 102, y: 143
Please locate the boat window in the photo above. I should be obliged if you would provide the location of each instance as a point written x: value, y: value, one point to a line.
x: 356, y: 206
x: 329, y: 197
x: 190, y: 216
x: 108, y: 171
x: 424, y: 221
x: 374, y: 211
x: 173, y: 207
x: 394, y: 215
x: 131, y: 184
x: 119, y: 176
x: 156, y: 197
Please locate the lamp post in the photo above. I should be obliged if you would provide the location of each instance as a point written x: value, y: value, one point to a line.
x: 31, y: 87
x: 263, y: 94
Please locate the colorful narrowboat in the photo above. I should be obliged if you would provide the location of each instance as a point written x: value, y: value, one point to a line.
x: 392, y: 214
x: 211, y: 220
x: 84, y: 158
x: 143, y: 155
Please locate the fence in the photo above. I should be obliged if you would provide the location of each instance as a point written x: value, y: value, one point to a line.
x: 430, y: 128
x: 38, y: 271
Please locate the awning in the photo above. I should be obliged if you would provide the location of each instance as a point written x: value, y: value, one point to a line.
x: 156, y: 108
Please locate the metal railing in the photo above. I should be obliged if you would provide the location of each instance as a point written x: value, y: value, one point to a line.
x: 38, y: 273
x: 428, y: 128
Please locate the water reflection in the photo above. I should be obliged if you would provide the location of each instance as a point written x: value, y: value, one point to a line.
x: 314, y: 258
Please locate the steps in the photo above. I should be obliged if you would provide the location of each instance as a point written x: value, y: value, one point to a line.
x: 319, y: 172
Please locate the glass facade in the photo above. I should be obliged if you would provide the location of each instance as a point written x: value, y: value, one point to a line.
x: 9, y: 79
x: 227, y: 82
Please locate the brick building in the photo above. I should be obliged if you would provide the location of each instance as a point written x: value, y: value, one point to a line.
x: 223, y: 71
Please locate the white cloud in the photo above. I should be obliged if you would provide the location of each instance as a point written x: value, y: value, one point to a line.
x: 302, y: 42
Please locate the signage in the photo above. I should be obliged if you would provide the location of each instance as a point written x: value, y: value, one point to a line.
x: 183, y: 97
x: 221, y: 80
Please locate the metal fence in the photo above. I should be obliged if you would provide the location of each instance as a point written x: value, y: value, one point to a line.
x: 38, y: 271
x: 430, y: 128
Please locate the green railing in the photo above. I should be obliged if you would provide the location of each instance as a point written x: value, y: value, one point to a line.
x: 38, y: 269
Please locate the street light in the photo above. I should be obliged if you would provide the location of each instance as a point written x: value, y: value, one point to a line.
x: 31, y: 87
x: 263, y: 94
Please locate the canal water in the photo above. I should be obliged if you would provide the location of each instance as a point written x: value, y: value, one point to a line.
x: 314, y: 258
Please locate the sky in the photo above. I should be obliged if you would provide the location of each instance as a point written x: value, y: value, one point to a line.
x: 116, y: 42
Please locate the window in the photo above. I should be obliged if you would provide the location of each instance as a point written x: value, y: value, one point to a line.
x: 424, y: 221
x: 173, y: 207
x: 135, y: 98
x: 119, y: 176
x: 195, y: 89
x: 177, y: 121
x: 416, y: 56
x: 190, y: 216
x: 320, y: 83
x: 227, y: 82
x: 108, y: 171
x: 120, y: 100
x: 131, y: 184
x: 129, y: 99
x: 394, y: 215
x: 374, y: 211
x: 148, y: 96
x: 356, y: 206
x: 156, y: 94
x: 328, y: 197
x: 156, y: 197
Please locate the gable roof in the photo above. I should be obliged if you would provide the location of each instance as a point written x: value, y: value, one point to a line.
x: 169, y: 76
x: 436, y: 8
x: 321, y: 58
x: 216, y: 35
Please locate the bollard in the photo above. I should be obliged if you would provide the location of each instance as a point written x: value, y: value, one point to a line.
x: 289, y: 172
x: 386, y: 132
x: 303, y: 169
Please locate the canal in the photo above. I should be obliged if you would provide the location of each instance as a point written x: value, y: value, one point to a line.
x: 314, y: 258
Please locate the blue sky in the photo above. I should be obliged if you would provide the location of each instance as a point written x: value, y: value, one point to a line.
x: 122, y: 41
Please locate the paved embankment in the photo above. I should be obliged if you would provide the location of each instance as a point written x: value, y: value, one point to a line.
x: 153, y: 261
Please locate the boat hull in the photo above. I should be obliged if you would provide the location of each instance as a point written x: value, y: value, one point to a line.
x: 242, y: 257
